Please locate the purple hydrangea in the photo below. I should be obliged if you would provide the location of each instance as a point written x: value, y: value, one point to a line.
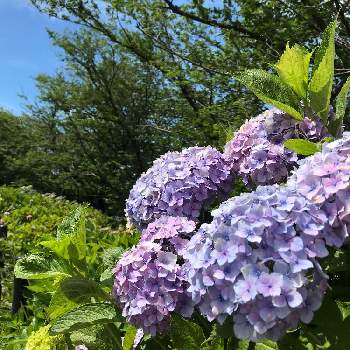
x: 256, y: 151
x: 179, y: 184
x: 171, y: 232
x: 81, y: 347
x: 149, y: 285
x: 324, y: 179
x: 254, y: 259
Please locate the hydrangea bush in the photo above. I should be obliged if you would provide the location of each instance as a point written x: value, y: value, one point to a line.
x: 259, y: 260
x: 262, y: 265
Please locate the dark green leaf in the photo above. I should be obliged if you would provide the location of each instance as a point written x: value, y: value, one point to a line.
x: 272, y: 90
x: 185, y: 335
x: 84, y: 316
x: 78, y: 289
x: 98, y: 337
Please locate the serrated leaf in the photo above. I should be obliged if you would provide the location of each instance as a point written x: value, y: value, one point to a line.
x: 272, y: 90
x: 110, y: 258
x: 60, y: 304
x: 266, y: 345
x: 98, y: 337
x: 344, y: 308
x: 215, y: 341
x: 35, y: 267
x: 293, y: 68
x: 320, y: 86
x: 303, y: 147
x: 129, y: 337
x: 85, y: 315
x: 185, y: 335
x: 79, y: 288
x: 341, y: 102
x: 71, y: 239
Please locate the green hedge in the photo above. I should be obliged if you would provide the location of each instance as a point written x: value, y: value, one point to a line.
x: 32, y: 217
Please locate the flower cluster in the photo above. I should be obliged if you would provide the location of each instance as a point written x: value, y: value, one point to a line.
x: 256, y: 151
x: 150, y: 279
x: 171, y: 232
x: 81, y: 347
x: 179, y: 184
x: 254, y: 260
x: 324, y: 179
x: 149, y: 285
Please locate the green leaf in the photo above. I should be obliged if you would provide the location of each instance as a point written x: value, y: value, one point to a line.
x: 215, y: 341
x: 344, y: 308
x: 129, y: 337
x: 341, y: 103
x: 293, y: 68
x: 60, y: 304
x: 238, y: 344
x: 272, y: 90
x: 110, y: 258
x: 185, y: 335
x: 303, y: 147
x: 320, y: 86
x: 79, y: 288
x: 266, y: 345
x: 71, y: 239
x: 98, y: 337
x: 225, y: 330
x: 85, y: 315
x: 34, y: 267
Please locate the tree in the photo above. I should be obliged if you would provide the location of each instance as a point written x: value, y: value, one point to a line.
x: 100, y: 122
x: 200, y: 45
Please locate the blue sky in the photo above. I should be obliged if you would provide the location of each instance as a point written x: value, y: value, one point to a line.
x: 26, y: 51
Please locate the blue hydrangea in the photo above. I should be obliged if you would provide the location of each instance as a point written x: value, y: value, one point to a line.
x: 254, y: 259
x: 172, y: 232
x: 179, y: 184
x: 256, y: 151
x: 324, y: 179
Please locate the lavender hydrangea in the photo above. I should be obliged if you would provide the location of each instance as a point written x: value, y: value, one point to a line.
x: 81, y: 347
x: 254, y: 259
x: 171, y: 232
x: 256, y: 151
x: 149, y: 285
x: 179, y: 184
x: 324, y: 179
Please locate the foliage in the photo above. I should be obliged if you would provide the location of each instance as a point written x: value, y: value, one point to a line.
x: 191, y: 52
x: 32, y: 217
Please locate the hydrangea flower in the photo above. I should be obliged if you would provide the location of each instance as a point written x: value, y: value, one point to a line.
x: 324, y: 179
x: 81, y: 347
x: 253, y: 261
x: 179, y: 184
x: 256, y: 151
x: 171, y: 232
x: 149, y: 285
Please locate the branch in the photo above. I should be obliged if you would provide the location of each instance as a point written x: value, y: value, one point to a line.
x: 236, y: 26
